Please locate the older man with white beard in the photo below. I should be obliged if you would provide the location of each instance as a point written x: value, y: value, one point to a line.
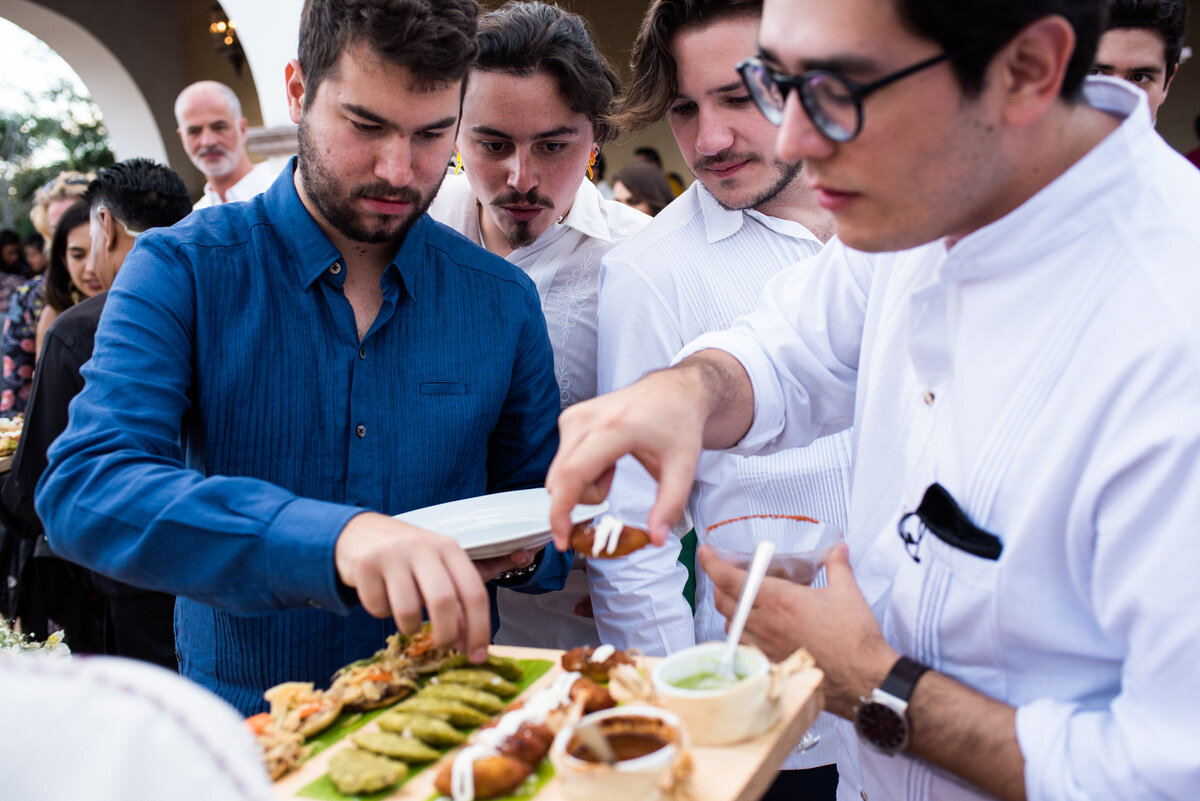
x: 213, y: 132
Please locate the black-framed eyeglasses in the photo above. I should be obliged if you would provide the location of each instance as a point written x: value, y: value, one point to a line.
x: 832, y: 101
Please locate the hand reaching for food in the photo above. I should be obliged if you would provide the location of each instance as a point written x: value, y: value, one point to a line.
x: 398, y: 569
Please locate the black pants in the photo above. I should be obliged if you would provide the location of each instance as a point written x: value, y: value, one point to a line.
x: 141, y: 626
x: 814, y: 784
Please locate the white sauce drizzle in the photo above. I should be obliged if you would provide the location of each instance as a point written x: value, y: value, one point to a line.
x: 601, y: 654
x: 608, y: 533
x: 488, y: 741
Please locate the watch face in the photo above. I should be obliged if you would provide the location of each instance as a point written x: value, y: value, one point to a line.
x: 882, y: 727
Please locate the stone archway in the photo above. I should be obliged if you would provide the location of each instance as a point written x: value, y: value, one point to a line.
x: 131, y: 125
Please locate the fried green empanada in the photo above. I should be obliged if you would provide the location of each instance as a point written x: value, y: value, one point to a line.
x: 455, y: 713
x: 427, y: 729
x: 502, y: 666
x: 479, y: 679
x: 477, y: 699
x: 395, y: 746
x: 354, y: 771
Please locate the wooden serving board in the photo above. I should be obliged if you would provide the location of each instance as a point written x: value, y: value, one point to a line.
x: 740, y: 772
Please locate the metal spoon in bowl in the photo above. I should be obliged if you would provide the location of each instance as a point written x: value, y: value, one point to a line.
x: 754, y: 578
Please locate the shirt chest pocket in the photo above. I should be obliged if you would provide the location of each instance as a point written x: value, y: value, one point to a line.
x: 944, y: 613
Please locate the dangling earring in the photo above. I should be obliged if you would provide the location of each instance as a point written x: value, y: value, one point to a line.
x: 458, y: 165
x: 591, y: 163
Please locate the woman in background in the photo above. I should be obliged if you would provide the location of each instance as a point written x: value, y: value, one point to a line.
x: 69, y: 276
x: 643, y: 187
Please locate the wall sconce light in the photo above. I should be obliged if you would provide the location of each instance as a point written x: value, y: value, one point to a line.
x: 225, y: 39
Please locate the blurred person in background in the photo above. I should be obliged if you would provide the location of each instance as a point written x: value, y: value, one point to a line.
x: 55, y: 197
x: 213, y: 132
x: 1142, y: 45
x: 98, y: 614
x: 12, y: 259
x: 642, y: 187
x: 70, y: 277
x: 35, y: 253
x: 18, y: 341
x: 13, y: 269
x: 535, y: 114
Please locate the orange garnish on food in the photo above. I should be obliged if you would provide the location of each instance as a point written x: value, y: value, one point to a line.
x: 258, y: 723
x: 422, y: 644
x: 310, y: 709
x: 379, y: 675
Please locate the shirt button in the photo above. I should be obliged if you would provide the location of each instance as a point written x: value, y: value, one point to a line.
x: 863, y: 794
x: 335, y: 268
x: 362, y: 353
x: 928, y: 398
x: 361, y: 430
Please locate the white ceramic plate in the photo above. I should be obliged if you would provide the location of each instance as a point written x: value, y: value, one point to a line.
x: 497, y: 524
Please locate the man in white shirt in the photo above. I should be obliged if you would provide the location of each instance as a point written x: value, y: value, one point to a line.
x: 535, y: 114
x: 1013, y: 337
x: 213, y: 132
x: 700, y: 264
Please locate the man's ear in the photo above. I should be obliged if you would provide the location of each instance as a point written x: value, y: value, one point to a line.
x: 294, y: 81
x: 108, y: 228
x: 1031, y: 68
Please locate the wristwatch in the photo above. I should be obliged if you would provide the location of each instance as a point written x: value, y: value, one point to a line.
x: 882, y: 719
x: 520, y: 575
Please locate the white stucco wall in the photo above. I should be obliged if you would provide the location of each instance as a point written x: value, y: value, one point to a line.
x: 131, y: 127
x: 268, y: 32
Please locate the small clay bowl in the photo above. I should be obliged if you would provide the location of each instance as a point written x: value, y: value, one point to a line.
x: 649, y: 743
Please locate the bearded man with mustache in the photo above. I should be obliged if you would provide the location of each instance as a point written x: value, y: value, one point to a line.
x: 307, y: 364
x: 535, y: 114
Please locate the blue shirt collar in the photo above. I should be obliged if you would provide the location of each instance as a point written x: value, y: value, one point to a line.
x: 310, y: 254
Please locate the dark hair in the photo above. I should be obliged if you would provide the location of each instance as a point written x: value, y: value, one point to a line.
x: 1167, y: 18
x: 646, y: 183
x: 141, y: 194
x: 432, y: 39
x: 525, y: 38
x: 986, y: 26
x: 35, y: 240
x: 9, y: 237
x: 59, y: 291
x: 655, y: 79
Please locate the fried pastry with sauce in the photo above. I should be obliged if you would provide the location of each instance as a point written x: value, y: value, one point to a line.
x: 494, y: 776
x: 596, y: 664
x: 606, y: 537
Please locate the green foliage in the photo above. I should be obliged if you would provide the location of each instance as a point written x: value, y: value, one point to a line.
x: 58, y: 131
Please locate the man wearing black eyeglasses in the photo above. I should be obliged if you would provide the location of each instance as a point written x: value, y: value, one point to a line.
x: 1008, y: 323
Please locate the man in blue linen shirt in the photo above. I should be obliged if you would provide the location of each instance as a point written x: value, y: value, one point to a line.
x: 324, y: 349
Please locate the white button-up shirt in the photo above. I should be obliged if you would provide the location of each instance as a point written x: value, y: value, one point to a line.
x: 255, y: 182
x: 1046, y: 371
x: 564, y: 262
x: 696, y: 268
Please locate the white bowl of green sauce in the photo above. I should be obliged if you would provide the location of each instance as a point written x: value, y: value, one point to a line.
x: 717, y: 711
